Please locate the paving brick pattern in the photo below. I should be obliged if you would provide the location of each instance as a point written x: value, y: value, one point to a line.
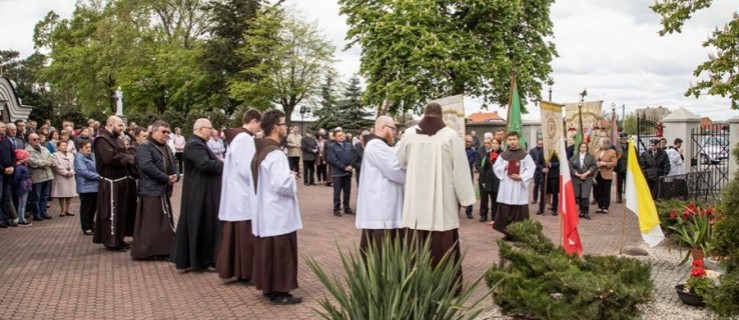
x: 52, y: 271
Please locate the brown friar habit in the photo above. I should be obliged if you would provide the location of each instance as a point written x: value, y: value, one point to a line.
x: 508, y: 214
x: 154, y: 227
x: 275, y: 258
x: 116, y: 202
x: 236, y: 250
x: 441, y: 241
x: 198, y: 229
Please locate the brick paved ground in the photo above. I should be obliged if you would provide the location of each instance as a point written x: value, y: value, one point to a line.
x: 52, y: 271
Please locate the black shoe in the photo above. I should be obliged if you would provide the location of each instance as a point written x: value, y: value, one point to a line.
x: 539, y: 213
x: 337, y: 213
x: 469, y: 216
x: 124, y: 244
x: 38, y: 219
x: 307, y: 184
x: 554, y: 213
x: 483, y: 218
x: 586, y: 216
x: 285, y: 299
x: 47, y: 217
x: 348, y: 211
x: 313, y: 184
x: 117, y: 249
x: 3, y: 225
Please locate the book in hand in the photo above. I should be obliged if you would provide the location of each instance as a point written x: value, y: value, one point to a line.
x: 514, y: 167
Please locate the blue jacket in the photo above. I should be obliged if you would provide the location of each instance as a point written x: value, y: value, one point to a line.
x: 152, y: 177
x: 340, y: 156
x: 86, y: 175
x: 21, y: 180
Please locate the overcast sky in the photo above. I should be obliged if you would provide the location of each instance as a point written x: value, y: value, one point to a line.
x: 609, y: 47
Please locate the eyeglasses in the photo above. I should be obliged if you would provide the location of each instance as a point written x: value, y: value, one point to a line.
x: 34, y: 139
x: 165, y: 132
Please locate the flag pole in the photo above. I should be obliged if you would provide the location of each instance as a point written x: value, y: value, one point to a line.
x: 623, y: 219
x: 510, y: 102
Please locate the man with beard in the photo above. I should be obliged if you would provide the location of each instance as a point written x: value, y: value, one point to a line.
x: 438, y: 181
x: 515, y: 169
x: 196, y: 238
x: 380, y: 196
x: 116, y: 201
x: 277, y: 218
x: 154, y: 228
x: 238, y: 201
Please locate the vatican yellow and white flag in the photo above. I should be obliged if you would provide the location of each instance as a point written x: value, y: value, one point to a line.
x: 552, y: 131
x: 639, y: 199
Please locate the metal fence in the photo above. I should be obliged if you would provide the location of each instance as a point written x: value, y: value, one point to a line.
x: 710, y: 157
x: 693, y: 186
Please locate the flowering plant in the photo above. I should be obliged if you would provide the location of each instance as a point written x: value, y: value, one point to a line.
x: 693, y: 227
x: 698, y: 283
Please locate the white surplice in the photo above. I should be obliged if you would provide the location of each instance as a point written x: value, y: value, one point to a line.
x: 438, y: 179
x: 277, y: 198
x: 380, y: 195
x: 238, y: 199
x: 514, y: 192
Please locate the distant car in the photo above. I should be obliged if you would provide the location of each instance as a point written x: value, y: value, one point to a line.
x: 714, y: 149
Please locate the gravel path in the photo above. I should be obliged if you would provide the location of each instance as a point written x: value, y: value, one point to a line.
x: 665, y: 305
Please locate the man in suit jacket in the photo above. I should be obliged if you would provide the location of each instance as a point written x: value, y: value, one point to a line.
x: 655, y: 164
x: 7, y: 161
x: 12, y: 134
x: 309, y: 146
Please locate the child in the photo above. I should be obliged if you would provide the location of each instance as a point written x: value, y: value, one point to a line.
x: 21, y: 184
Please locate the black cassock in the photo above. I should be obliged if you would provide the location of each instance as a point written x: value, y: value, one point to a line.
x: 198, y: 229
x: 116, y: 203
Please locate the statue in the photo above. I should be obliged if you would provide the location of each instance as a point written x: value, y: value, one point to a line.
x: 118, y: 102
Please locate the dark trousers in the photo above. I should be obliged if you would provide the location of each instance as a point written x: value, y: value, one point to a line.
x: 538, y: 178
x: 321, y: 172
x: 553, y: 189
x: 584, y: 205
x: 488, y: 202
x: 40, y: 196
x: 621, y: 185
x: 602, y: 192
x: 356, y: 174
x: 308, y: 169
x: 294, y: 164
x: 7, y: 211
x: 653, y: 187
x: 88, y: 205
x: 343, y: 183
x: 178, y: 157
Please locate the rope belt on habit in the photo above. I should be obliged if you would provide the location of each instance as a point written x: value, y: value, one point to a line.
x: 112, y: 201
x: 166, y: 209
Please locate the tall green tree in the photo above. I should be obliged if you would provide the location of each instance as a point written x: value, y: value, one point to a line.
x: 229, y: 21
x: 328, y: 112
x: 721, y: 71
x: 418, y: 50
x: 354, y: 115
x: 293, y: 58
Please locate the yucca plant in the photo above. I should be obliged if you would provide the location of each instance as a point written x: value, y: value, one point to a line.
x: 397, y: 281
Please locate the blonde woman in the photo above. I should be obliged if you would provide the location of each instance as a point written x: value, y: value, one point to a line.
x: 64, y: 186
x: 606, y: 159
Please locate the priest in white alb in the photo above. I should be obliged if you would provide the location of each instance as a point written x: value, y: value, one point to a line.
x: 438, y: 182
x: 380, y: 196
x: 238, y: 201
x: 515, y: 168
x: 277, y: 218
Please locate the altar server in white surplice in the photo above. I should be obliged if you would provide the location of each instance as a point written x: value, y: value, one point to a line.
x: 238, y: 201
x: 515, y: 168
x: 380, y: 196
x: 438, y: 182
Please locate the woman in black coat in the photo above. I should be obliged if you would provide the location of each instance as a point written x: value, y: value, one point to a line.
x: 583, y: 168
x: 488, y: 181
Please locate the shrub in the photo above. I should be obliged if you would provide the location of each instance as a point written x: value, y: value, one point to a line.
x: 664, y: 209
x: 537, y: 280
x: 396, y: 281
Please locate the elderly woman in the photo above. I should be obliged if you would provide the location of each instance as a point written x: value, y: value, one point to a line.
x: 64, y: 186
x: 606, y: 159
x: 65, y: 136
x: 87, y: 186
x: 215, y: 144
x: 583, y: 167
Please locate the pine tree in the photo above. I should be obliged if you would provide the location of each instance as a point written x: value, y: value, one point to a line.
x: 354, y: 114
x: 328, y: 113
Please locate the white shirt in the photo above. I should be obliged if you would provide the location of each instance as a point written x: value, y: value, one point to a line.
x: 380, y: 196
x: 238, y: 198
x: 438, y: 179
x: 676, y: 162
x: 514, y: 192
x: 277, y: 201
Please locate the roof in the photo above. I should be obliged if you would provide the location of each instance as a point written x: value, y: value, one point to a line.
x: 484, y: 117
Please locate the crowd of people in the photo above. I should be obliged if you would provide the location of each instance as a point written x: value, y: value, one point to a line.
x: 239, y: 213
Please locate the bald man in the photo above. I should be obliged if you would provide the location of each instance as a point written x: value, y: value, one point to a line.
x: 380, y: 196
x: 198, y: 229
x: 116, y: 202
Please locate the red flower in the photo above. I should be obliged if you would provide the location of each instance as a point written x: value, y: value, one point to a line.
x: 673, y: 213
x: 709, y: 212
x: 698, y: 272
x: 697, y: 263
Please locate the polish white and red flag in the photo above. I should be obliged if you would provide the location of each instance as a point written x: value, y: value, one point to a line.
x: 567, y: 206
